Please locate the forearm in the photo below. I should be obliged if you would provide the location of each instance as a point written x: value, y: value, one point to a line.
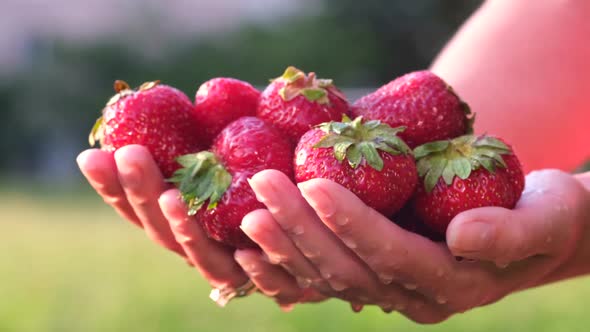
x: 523, y: 68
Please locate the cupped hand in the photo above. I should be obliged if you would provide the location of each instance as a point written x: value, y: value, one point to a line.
x: 325, y: 236
x: 132, y: 184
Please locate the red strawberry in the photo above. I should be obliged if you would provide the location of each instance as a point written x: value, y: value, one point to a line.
x: 295, y: 102
x: 407, y: 219
x: 422, y: 102
x: 379, y: 167
x: 220, y: 101
x: 214, y: 184
x: 465, y: 173
x: 155, y: 116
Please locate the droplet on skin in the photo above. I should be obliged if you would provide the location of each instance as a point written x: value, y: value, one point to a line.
x: 337, y: 285
x: 441, y: 299
x: 273, y: 209
x: 502, y: 265
x: 440, y: 272
x: 386, y: 278
x: 309, y: 253
x: 303, y: 282
x: 325, y: 274
x: 343, y: 220
x: 297, y: 230
x: 287, y: 307
x: 387, y: 308
x: 549, y: 239
x: 274, y: 259
x: 349, y: 243
x: 356, y: 307
x: 410, y: 286
x: 271, y: 293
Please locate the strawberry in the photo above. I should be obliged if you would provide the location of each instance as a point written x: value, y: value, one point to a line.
x: 422, y: 102
x: 220, y: 101
x: 214, y: 183
x: 407, y: 219
x: 295, y: 102
x: 379, y: 167
x: 156, y: 116
x: 465, y: 173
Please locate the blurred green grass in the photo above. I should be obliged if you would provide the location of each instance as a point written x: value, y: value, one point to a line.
x: 68, y: 263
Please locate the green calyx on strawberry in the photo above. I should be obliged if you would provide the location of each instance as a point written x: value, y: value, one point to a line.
x: 379, y: 167
x: 202, y: 179
x: 214, y: 183
x: 354, y: 140
x: 309, y: 86
x: 458, y: 157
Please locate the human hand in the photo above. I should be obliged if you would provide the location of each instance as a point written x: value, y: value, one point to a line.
x: 324, y: 234
x: 132, y: 184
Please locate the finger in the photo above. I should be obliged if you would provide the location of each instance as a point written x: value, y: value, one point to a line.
x: 214, y: 260
x: 271, y: 280
x: 300, y: 224
x: 261, y: 227
x: 337, y: 264
x: 101, y: 172
x: 543, y: 223
x: 392, y: 252
x: 142, y: 182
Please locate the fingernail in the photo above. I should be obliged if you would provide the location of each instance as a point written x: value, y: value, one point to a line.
x: 246, y: 224
x: 318, y: 199
x: 471, y: 237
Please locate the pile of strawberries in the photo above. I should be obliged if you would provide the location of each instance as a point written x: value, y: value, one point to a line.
x: 406, y: 149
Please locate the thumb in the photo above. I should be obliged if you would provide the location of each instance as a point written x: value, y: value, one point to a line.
x: 504, y: 236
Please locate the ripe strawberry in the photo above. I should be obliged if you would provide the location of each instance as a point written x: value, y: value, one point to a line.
x: 465, y: 173
x: 214, y: 183
x: 220, y: 101
x: 155, y: 116
x: 295, y: 102
x: 407, y: 219
x: 422, y: 102
x: 380, y: 169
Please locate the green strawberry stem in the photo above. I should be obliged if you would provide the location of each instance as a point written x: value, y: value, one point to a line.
x: 458, y: 157
x: 309, y: 86
x: 202, y: 178
x: 354, y: 141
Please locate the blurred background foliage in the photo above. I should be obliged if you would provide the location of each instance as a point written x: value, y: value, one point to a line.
x: 49, y: 104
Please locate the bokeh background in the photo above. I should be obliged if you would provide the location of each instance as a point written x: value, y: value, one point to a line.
x: 68, y: 263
